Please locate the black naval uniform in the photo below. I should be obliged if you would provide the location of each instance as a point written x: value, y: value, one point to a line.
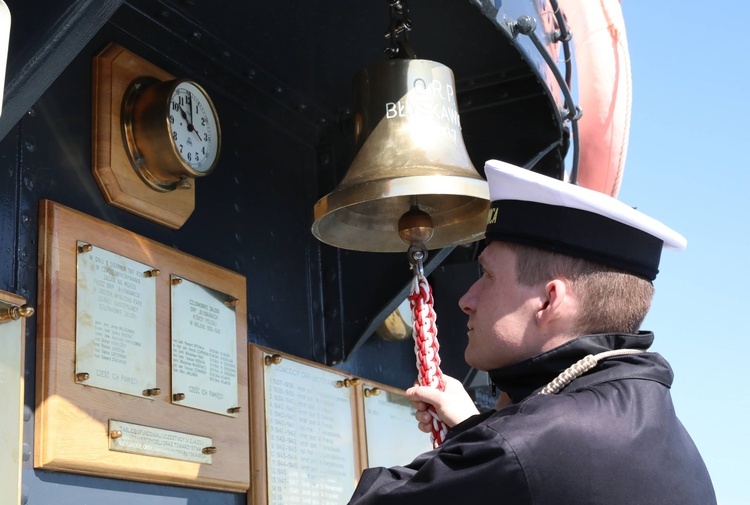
x: 610, y: 437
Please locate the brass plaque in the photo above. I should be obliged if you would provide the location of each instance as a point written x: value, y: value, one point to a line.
x: 150, y: 441
x: 309, y: 435
x: 392, y: 434
x: 204, y: 348
x: 115, y: 322
x: 11, y: 392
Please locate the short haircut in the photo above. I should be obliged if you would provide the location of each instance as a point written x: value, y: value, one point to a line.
x: 611, y: 301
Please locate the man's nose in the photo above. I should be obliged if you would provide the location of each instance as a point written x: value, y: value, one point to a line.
x: 467, y: 301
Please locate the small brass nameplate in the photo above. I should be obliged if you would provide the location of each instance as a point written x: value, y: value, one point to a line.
x: 204, y: 348
x: 115, y: 322
x: 149, y: 441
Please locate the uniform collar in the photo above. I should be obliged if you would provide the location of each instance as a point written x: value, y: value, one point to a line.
x: 522, y: 379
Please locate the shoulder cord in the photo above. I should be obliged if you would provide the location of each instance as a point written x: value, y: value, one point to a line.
x: 426, y: 347
x: 581, y: 367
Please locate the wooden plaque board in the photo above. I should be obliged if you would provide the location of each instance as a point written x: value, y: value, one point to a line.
x: 290, y: 452
x: 71, y: 432
x: 113, y: 69
x: 12, y: 333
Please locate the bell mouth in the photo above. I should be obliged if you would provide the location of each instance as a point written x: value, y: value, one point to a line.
x: 365, y: 217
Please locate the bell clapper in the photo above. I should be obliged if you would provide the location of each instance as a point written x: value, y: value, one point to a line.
x: 415, y: 228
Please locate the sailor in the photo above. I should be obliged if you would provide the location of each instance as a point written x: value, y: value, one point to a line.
x: 585, y: 415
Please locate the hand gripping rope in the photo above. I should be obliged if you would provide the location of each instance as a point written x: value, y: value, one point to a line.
x: 426, y: 345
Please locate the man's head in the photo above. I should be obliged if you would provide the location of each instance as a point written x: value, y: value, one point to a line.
x: 611, y: 301
x: 561, y: 261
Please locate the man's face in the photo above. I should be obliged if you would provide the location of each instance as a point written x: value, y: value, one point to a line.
x: 501, y: 313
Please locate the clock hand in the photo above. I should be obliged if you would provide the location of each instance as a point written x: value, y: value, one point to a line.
x: 190, y: 105
x: 189, y: 122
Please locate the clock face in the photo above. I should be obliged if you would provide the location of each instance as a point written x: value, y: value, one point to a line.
x: 194, y: 126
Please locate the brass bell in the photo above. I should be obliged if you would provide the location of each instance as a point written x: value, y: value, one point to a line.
x: 411, y: 155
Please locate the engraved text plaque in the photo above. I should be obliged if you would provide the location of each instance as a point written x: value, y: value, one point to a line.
x: 204, y: 348
x: 310, y: 436
x: 150, y: 441
x: 392, y: 434
x: 11, y: 392
x: 115, y: 322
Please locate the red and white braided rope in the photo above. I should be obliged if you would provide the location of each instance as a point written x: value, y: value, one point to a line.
x: 426, y: 348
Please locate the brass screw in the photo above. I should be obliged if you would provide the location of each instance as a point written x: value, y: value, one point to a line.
x: 233, y: 410
x: 16, y: 313
x: 354, y: 381
x: 82, y: 376
x: 273, y: 359
x: 152, y: 273
x: 232, y: 302
x: 26, y: 310
x: 183, y: 183
x: 178, y: 397
x: 209, y: 450
x: 152, y: 392
x: 85, y: 248
x: 372, y: 392
x: 176, y: 281
x: 115, y: 434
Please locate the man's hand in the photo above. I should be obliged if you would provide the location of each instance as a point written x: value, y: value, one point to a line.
x: 452, y: 405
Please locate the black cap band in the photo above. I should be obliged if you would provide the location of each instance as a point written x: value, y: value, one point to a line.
x: 576, y: 233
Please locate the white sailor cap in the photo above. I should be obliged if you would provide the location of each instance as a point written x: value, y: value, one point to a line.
x: 537, y: 210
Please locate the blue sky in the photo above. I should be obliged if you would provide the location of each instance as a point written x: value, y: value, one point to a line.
x: 688, y: 166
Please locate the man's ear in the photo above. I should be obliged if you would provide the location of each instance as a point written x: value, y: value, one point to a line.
x: 555, y: 299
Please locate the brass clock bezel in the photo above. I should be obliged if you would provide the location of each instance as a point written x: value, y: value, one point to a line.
x: 146, y: 133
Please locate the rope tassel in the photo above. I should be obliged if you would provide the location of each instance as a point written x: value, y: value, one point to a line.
x: 426, y: 347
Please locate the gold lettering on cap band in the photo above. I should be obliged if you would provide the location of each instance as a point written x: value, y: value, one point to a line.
x: 492, y: 216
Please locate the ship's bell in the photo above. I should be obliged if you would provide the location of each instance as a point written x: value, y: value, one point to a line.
x: 411, y: 155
